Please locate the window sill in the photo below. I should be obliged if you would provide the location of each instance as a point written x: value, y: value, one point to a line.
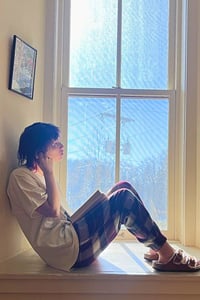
x: 119, y: 272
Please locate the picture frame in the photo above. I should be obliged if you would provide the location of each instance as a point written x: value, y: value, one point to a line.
x: 22, y: 68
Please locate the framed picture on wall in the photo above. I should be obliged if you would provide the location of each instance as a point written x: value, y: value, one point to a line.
x: 22, y: 68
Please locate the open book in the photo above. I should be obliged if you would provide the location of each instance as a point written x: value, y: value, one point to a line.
x: 92, y: 201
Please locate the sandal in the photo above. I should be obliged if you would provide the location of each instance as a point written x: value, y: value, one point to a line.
x: 150, y: 256
x: 179, y: 262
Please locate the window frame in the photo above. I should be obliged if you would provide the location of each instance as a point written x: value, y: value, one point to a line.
x: 118, y: 93
x: 181, y: 152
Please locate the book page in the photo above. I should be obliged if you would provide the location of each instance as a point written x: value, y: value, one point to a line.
x: 92, y: 201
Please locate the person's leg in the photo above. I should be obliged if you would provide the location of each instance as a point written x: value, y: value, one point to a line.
x: 101, y: 225
x: 96, y: 230
x: 166, y: 251
x: 137, y: 219
x: 168, y: 258
x: 150, y: 254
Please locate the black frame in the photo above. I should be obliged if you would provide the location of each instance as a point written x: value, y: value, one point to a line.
x: 22, y: 68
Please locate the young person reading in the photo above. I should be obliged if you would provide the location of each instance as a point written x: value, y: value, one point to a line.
x: 63, y: 243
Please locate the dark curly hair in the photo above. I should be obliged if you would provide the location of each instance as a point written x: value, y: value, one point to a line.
x: 35, y: 139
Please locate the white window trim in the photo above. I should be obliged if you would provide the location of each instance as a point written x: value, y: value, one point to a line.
x: 185, y: 188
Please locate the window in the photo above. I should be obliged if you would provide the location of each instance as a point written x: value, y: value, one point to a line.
x: 118, y: 85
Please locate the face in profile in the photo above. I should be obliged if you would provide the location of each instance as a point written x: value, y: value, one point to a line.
x: 55, y: 150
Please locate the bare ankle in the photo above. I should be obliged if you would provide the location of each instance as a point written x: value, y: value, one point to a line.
x: 165, y: 253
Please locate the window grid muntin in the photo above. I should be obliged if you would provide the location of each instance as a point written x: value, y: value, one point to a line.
x: 66, y: 91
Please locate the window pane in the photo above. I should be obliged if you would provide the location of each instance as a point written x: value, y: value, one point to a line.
x: 93, y: 43
x: 145, y: 44
x: 91, y: 147
x: 144, y: 152
x: 92, y: 120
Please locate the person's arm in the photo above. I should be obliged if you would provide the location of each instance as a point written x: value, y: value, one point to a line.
x: 51, y: 207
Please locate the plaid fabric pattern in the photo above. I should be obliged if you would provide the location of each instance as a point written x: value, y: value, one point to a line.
x: 101, y: 225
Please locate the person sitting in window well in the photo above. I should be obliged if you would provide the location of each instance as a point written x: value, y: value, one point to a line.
x: 64, y: 243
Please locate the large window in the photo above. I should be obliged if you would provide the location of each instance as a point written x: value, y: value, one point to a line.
x: 119, y: 90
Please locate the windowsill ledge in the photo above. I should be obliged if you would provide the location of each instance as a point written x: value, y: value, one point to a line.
x: 120, y: 270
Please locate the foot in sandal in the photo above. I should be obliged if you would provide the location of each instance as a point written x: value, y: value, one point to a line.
x: 179, y: 262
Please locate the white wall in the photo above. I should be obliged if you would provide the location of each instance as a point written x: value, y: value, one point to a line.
x: 25, y: 18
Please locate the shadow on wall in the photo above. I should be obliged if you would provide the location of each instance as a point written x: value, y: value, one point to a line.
x: 8, y: 161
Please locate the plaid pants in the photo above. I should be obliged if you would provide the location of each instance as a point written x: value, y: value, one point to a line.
x: 100, y: 226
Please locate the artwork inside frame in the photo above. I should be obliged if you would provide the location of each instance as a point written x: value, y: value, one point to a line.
x: 22, y: 68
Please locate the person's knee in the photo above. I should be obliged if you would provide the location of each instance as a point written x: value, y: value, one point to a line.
x: 125, y: 185
x: 122, y: 185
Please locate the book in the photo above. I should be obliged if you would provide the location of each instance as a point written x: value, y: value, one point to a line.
x: 90, y: 203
